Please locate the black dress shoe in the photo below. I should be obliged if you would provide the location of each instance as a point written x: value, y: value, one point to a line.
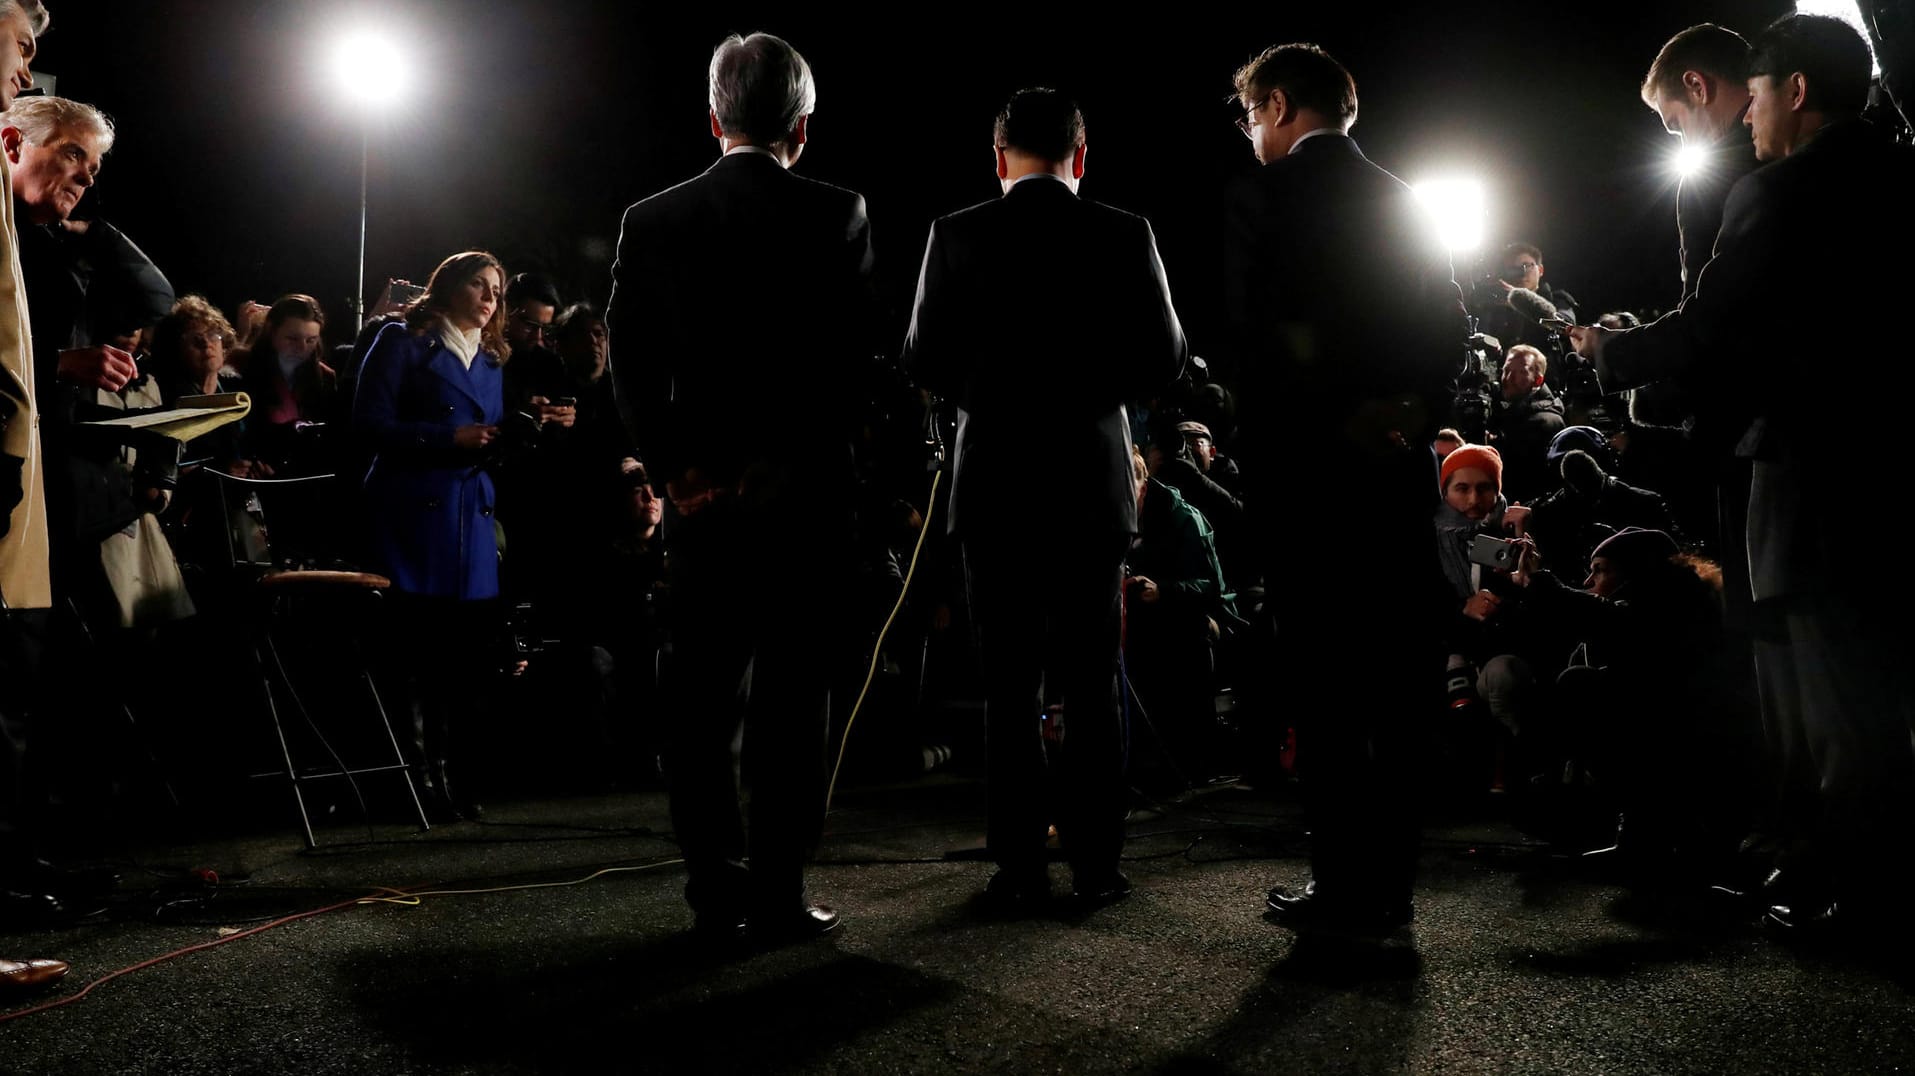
x: 1308, y: 908
x: 718, y: 929
x: 30, y: 910
x: 795, y: 925
x: 1101, y: 889
x: 1017, y: 892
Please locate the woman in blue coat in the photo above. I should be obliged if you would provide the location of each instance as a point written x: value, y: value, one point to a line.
x: 428, y: 403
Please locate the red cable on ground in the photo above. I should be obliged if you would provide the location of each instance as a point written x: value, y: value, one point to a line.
x: 144, y: 964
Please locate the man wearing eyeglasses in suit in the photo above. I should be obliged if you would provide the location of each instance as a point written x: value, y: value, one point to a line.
x: 1348, y: 333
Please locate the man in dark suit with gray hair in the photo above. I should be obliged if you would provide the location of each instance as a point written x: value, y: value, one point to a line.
x: 1043, y: 311
x: 738, y: 322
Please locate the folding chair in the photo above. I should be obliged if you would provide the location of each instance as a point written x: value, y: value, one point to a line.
x: 265, y: 550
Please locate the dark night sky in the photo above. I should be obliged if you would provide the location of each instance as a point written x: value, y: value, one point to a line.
x: 535, y: 124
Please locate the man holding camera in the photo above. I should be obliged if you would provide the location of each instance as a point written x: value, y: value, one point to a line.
x: 1832, y: 638
x: 1341, y: 301
x: 738, y: 324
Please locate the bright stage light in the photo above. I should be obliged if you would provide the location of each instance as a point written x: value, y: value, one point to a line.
x: 1458, y: 208
x: 371, y: 70
x: 1690, y: 160
x: 1848, y: 11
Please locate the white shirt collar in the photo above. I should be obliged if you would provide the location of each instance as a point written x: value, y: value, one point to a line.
x: 755, y: 149
x: 1038, y: 175
x: 1312, y: 133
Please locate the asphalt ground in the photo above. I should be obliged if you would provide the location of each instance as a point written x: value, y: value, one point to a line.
x: 1517, y: 962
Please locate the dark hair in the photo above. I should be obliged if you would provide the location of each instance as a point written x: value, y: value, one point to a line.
x: 1308, y: 75
x: 1830, y: 55
x: 1708, y: 49
x: 1515, y: 249
x: 288, y: 308
x: 533, y: 287
x: 453, y: 273
x: 1041, y: 122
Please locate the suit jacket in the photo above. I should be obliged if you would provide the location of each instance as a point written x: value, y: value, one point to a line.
x: 430, y: 503
x: 25, y: 561
x: 739, y: 320
x: 1348, y: 330
x: 1040, y: 314
x: 1794, y: 363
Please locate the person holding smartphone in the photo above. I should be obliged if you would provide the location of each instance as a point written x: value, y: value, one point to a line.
x: 429, y: 404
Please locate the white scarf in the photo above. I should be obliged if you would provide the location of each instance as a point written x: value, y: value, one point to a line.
x: 461, y: 342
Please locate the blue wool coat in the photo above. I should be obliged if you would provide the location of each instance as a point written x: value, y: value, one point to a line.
x: 430, y: 503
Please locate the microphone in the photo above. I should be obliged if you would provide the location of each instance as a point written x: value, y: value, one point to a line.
x: 1534, y: 307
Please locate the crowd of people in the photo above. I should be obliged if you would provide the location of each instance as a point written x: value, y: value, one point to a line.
x: 1441, y: 514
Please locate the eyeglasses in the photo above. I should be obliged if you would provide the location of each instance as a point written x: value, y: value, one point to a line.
x: 534, y: 328
x: 1520, y: 268
x: 205, y: 340
x: 1248, y: 120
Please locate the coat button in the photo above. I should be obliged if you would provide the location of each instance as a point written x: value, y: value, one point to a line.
x: 486, y: 511
x: 448, y: 409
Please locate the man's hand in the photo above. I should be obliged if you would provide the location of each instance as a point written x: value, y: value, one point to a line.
x: 691, y: 492
x: 474, y: 438
x: 1481, y: 605
x: 1516, y: 520
x: 1588, y: 340
x: 548, y: 412
x: 77, y: 227
x: 250, y: 469
x: 1528, y: 562
x: 1147, y: 591
x: 101, y: 367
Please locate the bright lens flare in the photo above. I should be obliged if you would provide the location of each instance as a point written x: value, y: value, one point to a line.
x: 371, y: 69
x: 1690, y: 160
x: 1458, y: 208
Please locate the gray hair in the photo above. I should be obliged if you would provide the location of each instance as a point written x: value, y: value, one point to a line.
x: 41, y: 120
x: 760, y: 87
x: 37, y: 18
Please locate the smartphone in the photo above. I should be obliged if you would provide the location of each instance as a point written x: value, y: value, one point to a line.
x: 565, y: 401
x: 1493, y: 552
x: 400, y: 293
x: 1557, y: 325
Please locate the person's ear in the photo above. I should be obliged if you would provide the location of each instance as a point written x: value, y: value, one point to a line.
x: 1699, y: 88
x: 716, y: 130
x: 1077, y: 162
x: 1003, y: 166
x: 798, y: 133
x: 1797, y: 89
x: 1282, y: 109
x: 11, y: 140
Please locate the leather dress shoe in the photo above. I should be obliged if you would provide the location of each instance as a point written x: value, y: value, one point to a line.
x: 796, y: 925
x: 20, y: 976
x: 1101, y: 889
x: 720, y: 929
x: 1016, y: 892
x: 25, y: 910
x: 1308, y: 908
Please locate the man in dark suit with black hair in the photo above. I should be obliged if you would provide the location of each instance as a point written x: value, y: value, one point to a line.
x: 1831, y: 617
x: 1349, y: 332
x: 738, y: 322
x: 1040, y: 314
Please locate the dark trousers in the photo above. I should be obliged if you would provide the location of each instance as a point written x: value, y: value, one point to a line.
x: 756, y: 626
x: 1369, y: 622
x: 450, y: 653
x: 1046, y: 613
x: 22, y: 661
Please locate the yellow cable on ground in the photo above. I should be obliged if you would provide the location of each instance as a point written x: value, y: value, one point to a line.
x: 877, y: 649
x: 411, y: 897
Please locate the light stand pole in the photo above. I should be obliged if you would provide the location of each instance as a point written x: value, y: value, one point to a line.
x: 359, y: 294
